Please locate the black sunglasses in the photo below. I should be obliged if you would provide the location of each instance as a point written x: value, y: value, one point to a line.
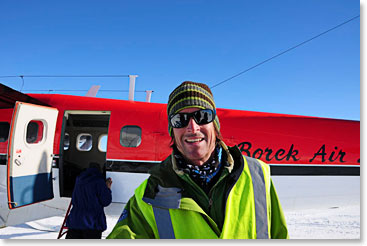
x: 201, y: 117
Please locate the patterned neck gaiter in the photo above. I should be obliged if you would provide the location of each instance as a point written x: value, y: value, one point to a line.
x: 205, y: 174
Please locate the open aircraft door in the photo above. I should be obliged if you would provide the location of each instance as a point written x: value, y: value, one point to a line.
x: 30, y: 154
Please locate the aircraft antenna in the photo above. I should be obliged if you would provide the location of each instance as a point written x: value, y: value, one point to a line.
x: 93, y: 91
x: 132, y: 87
x: 149, y: 96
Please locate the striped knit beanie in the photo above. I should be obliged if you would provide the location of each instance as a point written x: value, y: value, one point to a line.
x: 191, y: 95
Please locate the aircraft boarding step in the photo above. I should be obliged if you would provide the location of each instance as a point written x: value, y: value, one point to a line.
x: 63, y: 226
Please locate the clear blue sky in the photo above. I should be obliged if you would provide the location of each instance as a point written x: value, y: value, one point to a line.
x: 167, y: 42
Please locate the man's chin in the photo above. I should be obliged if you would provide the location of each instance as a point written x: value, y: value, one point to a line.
x: 196, y: 158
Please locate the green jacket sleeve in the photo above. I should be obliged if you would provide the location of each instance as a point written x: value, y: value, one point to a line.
x: 278, y: 224
x: 131, y: 224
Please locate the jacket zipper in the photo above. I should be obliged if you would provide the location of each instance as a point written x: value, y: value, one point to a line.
x: 210, y: 203
x: 210, y: 195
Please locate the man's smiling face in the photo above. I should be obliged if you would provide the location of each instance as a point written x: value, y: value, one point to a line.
x: 195, y: 142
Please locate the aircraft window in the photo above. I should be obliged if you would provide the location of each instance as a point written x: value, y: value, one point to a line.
x: 4, y: 131
x: 34, y: 133
x: 130, y: 136
x: 84, y: 142
x: 66, y: 141
x: 102, y: 143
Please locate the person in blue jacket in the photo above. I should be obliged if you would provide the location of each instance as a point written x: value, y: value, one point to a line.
x: 91, y: 194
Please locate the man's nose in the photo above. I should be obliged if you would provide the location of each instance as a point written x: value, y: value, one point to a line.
x: 193, y: 126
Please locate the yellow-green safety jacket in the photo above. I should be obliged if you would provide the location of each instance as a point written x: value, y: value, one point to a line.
x: 243, y: 204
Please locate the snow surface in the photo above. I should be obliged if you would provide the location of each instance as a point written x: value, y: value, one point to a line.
x: 326, y: 223
x: 329, y: 223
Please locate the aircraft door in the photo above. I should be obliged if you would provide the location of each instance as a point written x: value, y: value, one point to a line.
x: 30, y: 154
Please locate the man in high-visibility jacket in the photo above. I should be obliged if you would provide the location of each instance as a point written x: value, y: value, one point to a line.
x: 204, y: 189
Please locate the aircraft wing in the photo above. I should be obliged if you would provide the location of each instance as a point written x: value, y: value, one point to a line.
x: 9, y: 96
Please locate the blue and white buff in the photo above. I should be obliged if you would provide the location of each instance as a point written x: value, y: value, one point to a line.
x: 202, y: 175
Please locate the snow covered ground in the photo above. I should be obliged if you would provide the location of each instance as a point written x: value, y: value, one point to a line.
x: 327, y: 223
